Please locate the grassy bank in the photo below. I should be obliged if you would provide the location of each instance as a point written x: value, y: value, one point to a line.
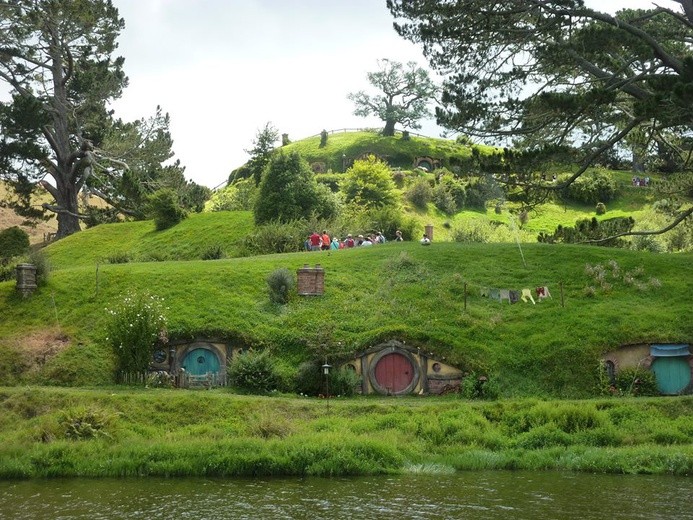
x: 394, y: 291
x: 124, y: 432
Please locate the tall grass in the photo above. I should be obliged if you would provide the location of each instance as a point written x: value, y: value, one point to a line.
x: 115, y: 432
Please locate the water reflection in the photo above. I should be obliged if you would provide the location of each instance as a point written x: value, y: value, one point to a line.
x: 487, y: 495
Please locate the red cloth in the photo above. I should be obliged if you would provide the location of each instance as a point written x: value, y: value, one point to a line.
x: 315, y: 239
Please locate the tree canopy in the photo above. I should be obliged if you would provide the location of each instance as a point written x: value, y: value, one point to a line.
x: 369, y: 183
x: 260, y: 153
x: 55, y: 56
x: 57, y: 131
x: 404, y: 95
x: 554, y: 73
x: 288, y: 191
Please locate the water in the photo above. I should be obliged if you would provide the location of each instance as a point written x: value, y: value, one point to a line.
x: 487, y: 495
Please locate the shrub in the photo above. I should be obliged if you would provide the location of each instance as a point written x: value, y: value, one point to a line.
x: 344, y: 382
x: 636, y: 381
x: 239, y: 196
x: 590, y: 188
x: 214, y: 252
x: 452, y: 185
x: 288, y: 191
x: 477, y: 192
x: 323, y: 139
x: 444, y: 200
x: 136, y: 325
x: 420, y: 193
x: 311, y: 381
x: 14, y: 241
x: 118, y: 258
x: 600, y: 208
x: 275, y: 237
x: 647, y: 243
x: 473, y: 231
x: 398, y: 176
x: 475, y: 386
x: 8, y: 270
x: 84, y: 423
x: 331, y: 180
x: 309, y: 378
x: 164, y: 207
x: 280, y: 282
x: 253, y: 371
x: 43, y: 267
x: 369, y: 182
x: 327, y: 203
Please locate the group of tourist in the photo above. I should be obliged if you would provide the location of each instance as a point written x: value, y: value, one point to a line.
x: 637, y: 181
x: 323, y: 242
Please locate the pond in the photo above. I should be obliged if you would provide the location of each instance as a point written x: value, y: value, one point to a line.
x: 470, y: 495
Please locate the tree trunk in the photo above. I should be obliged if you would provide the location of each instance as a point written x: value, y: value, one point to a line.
x: 638, y: 166
x: 389, y: 129
x: 68, y: 212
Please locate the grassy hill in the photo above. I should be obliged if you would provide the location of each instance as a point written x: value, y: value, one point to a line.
x: 393, y: 291
x: 343, y: 147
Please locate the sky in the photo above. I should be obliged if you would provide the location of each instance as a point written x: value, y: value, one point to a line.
x: 222, y: 69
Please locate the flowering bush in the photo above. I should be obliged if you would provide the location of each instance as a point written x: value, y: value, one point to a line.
x: 136, y: 326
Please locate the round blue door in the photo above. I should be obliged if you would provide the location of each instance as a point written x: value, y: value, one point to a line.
x: 673, y: 374
x: 200, y: 361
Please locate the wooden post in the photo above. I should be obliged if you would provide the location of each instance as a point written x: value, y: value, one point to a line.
x: 560, y: 284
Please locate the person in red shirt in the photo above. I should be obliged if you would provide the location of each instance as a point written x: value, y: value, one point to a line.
x: 315, y: 241
x: 325, y: 240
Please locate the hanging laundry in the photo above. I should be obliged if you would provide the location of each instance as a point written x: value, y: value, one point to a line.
x: 526, y: 293
x: 484, y: 292
x: 504, y: 295
x: 543, y: 292
x: 494, y: 294
x: 514, y: 296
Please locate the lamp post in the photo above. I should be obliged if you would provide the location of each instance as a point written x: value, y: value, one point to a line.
x: 326, y: 372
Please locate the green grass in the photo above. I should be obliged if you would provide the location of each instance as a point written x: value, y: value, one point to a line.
x: 140, y: 242
x: 397, y: 152
x: 124, y: 432
x: 395, y: 291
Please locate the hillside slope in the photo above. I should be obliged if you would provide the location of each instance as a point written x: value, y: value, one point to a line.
x: 397, y: 291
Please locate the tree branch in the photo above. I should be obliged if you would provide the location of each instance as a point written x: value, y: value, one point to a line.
x: 683, y: 216
x: 59, y: 209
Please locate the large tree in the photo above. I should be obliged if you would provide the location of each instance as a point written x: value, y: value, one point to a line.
x: 139, y: 163
x: 260, y: 154
x: 555, y: 73
x: 56, y: 59
x: 404, y: 94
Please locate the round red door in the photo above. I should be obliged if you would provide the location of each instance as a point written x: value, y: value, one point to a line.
x: 394, y: 372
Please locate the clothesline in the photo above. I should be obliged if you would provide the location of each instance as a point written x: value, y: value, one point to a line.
x: 525, y: 294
